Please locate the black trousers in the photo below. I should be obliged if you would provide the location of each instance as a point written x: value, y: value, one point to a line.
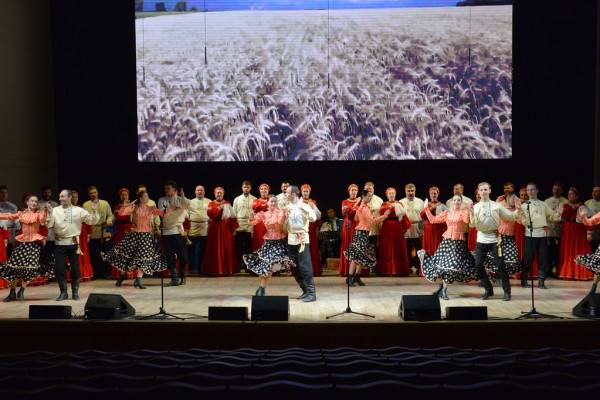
x: 100, y: 268
x: 412, y: 246
x: 303, y: 272
x: 196, y: 252
x: 594, y: 245
x: 536, y: 246
x: 481, y: 253
x: 61, y: 253
x: 243, y: 245
x: 552, y: 254
x: 175, y: 250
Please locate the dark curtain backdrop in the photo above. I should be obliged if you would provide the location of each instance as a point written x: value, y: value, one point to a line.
x: 553, y: 114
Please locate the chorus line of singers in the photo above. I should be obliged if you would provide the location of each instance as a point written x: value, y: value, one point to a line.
x: 457, y: 241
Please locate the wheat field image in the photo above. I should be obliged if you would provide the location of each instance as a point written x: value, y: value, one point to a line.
x: 357, y: 84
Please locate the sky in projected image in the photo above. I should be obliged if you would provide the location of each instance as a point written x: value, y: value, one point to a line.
x: 296, y: 81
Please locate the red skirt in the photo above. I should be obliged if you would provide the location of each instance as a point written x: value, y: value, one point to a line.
x: 472, y: 239
x: 432, y: 236
x: 220, y: 258
x: 347, y: 232
x: 258, y: 234
x: 393, y: 256
x: 315, y: 256
x: 572, y: 243
x: 520, y: 242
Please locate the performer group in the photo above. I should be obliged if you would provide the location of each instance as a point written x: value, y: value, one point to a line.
x: 516, y: 235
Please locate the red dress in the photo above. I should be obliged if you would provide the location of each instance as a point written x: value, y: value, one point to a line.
x: 393, y: 257
x: 432, y: 233
x: 520, y: 242
x: 347, y: 232
x: 259, y: 230
x: 472, y: 239
x: 220, y: 258
x: 313, y: 237
x: 573, y: 242
x: 122, y: 225
x: 4, y: 235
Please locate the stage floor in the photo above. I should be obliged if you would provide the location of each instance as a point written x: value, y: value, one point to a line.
x: 381, y: 297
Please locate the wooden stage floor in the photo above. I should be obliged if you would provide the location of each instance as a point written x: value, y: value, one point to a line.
x: 307, y: 326
x: 381, y: 297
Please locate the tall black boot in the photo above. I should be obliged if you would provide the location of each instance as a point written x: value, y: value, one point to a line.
x: 300, y: 283
x: 182, y: 277
x: 75, y: 289
x: 174, y: 281
x: 310, y: 290
x: 21, y: 294
x: 593, y: 288
x: 62, y: 285
x: 541, y: 284
x: 358, y: 280
x: 120, y: 280
x: 350, y: 281
x: 12, y: 296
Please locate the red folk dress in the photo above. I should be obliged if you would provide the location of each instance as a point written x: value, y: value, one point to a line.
x: 259, y: 231
x: 393, y: 256
x: 220, y: 257
x: 347, y: 232
x: 573, y: 241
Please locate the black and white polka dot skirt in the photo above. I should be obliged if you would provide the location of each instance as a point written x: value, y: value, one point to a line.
x: 27, y: 263
x: 137, y: 250
x: 271, y: 257
x: 452, y: 262
x: 590, y: 261
x: 510, y: 254
x: 362, y: 250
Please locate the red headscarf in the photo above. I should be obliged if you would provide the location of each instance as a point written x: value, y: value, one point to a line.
x: 305, y: 186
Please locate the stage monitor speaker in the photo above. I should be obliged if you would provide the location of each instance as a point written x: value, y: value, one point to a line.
x: 107, y: 306
x: 469, y: 313
x: 589, y: 307
x: 270, y: 308
x: 50, y: 312
x: 420, y: 308
x: 228, y: 313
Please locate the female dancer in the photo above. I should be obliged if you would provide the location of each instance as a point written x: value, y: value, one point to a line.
x: 590, y: 261
x: 259, y: 205
x: 272, y: 256
x: 25, y: 262
x: 393, y: 257
x: 136, y: 251
x: 348, y: 213
x: 573, y: 241
x: 361, y: 252
x: 220, y: 257
x: 122, y: 225
x: 452, y: 260
x: 433, y: 233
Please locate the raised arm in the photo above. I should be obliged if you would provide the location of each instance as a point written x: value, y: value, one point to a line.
x: 126, y: 210
x: 436, y: 219
x: 10, y: 216
x: 257, y: 218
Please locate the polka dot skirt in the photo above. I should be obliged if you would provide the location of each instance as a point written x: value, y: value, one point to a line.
x: 137, y: 250
x: 361, y: 250
x: 590, y: 261
x: 271, y: 257
x: 452, y: 262
x: 27, y: 263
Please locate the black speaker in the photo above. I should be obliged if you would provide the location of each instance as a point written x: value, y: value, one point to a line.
x: 270, y: 308
x: 228, y: 313
x: 107, y: 306
x: 469, y: 313
x: 50, y: 312
x: 589, y: 307
x: 418, y: 307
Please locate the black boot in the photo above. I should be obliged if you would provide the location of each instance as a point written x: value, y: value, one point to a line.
x: 541, y: 284
x: 75, y: 289
x: 12, y: 296
x: 506, y: 295
x: 350, y: 281
x: 444, y: 293
x: 63, y: 291
x: 438, y: 292
x: 489, y: 292
x: 182, y: 277
x: 174, y: 281
x: 300, y: 283
x: 311, y: 291
x: 260, y: 291
x: 21, y: 294
x: 120, y: 280
x: 358, y: 280
x: 524, y: 283
x: 593, y: 288
x: 138, y: 283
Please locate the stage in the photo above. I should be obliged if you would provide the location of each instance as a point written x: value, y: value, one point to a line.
x: 307, y: 325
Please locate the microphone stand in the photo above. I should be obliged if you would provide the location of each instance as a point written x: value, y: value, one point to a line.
x: 533, y: 313
x: 348, y: 310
